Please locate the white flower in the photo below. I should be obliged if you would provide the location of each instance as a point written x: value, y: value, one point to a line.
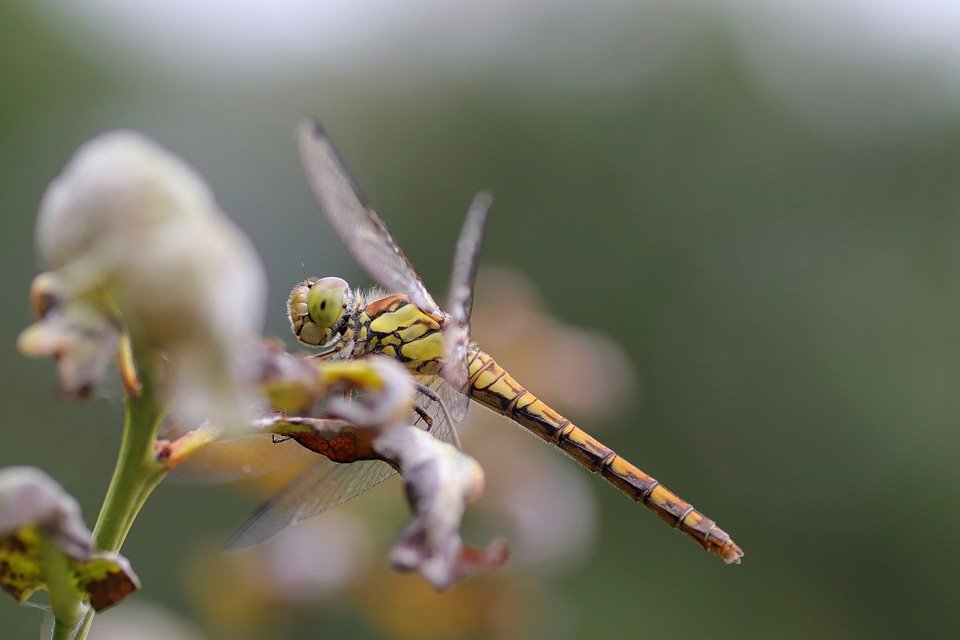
x: 131, y: 225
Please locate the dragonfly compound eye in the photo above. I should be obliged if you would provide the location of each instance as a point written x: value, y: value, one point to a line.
x: 326, y: 301
x: 314, y: 308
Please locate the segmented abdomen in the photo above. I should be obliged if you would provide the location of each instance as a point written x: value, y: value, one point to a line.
x: 493, y: 387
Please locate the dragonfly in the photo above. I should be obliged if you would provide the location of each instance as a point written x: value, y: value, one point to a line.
x: 434, y: 343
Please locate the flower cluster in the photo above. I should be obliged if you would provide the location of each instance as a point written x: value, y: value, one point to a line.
x: 148, y: 274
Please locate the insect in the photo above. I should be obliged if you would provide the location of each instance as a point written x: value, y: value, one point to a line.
x: 434, y: 344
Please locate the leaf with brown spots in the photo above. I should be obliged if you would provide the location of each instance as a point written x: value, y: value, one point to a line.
x: 44, y: 544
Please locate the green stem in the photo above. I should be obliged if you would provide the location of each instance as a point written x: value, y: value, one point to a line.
x: 62, y: 631
x: 66, y: 605
x: 136, y: 474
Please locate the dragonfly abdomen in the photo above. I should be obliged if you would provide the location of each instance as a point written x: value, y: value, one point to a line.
x: 493, y: 387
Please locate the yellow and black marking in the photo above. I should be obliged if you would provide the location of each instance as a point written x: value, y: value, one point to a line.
x: 396, y: 327
x: 494, y: 388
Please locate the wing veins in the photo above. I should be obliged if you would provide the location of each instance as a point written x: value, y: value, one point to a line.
x: 363, y: 232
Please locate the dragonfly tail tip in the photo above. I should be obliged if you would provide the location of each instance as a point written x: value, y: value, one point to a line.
x: 731, y: 553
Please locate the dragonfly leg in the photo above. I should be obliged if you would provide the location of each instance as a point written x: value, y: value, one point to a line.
x: 423, y: 415
x: 429, y: 393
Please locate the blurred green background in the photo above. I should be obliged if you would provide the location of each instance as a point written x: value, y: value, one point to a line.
x: 760, y: 205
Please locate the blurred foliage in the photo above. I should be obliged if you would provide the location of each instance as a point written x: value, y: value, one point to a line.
x: 787, y: 292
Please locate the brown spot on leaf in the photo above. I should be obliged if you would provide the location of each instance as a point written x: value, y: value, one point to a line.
x: 110, y: 589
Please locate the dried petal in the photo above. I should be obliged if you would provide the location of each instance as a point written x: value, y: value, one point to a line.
x: 440, y: 481
x: 335, y: 439
x: 41, y: 533
x: 83, y: 339
x: 385, y: 391
x: 290, y: 382
x: 346, y: 434
x: 293, y: 386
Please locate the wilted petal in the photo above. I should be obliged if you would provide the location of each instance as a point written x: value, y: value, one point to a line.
x: 361, y: 398
x: 29, y: 497
x: 37, y: 516
x: 129, y: 222
x: 385, y: 390
x: 440, y: 481
x: 375, y: 392
x: 83, y: 339
x: 337, y: 440
x: 289, y: 382
x: 297, y: 386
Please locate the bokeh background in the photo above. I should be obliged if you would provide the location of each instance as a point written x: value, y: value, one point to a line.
x: 757, y: 203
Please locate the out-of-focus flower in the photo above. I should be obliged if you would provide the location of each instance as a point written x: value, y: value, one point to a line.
x: 568, y: 367
x: 497, y: 606
x: 327, y: 558
x: 297, y: 570
x: 140, y: 258
x: 129, y: 228
x: 45, y: 545
x: 142, y: 621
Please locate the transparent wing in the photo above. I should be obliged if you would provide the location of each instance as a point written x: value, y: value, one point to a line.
x: 322, y: 486
x: 456, y: 331
x: 358, y: 225
x: 231, y: 460
x: 456, y: 401
x: 430, y: 399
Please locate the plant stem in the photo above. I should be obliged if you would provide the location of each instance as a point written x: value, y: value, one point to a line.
x: 63, y: 631
x: 66, y: 605
x: 136, y: 474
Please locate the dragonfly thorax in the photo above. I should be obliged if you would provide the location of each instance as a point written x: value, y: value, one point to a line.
x: 320, y: 310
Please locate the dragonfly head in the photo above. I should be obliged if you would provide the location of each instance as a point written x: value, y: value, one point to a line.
x: 317, y: 310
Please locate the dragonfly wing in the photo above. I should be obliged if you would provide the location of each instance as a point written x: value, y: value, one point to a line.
x: 456, y: 401
x: 359, y: 226
x: 466, y: 257
x: 322, y: 486
x: 430, y: 398
x: 456, y: 332
x: 231, y: 460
